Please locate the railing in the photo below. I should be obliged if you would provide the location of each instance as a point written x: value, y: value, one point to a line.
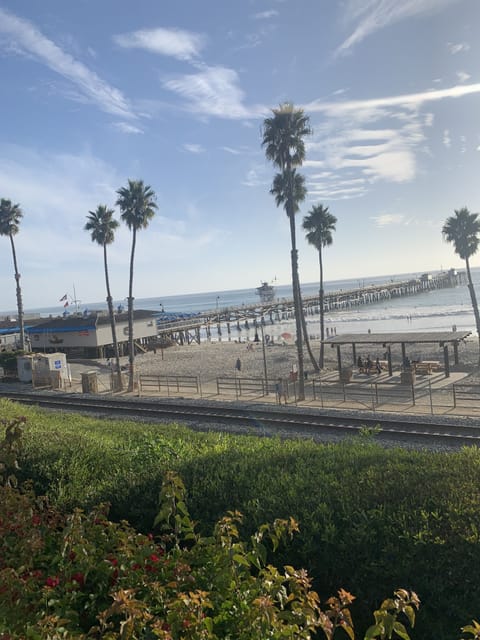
x: 175, y: 384
x: 242, y: 386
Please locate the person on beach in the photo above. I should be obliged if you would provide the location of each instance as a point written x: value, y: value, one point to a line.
x: 238, y: 365
x: 378, y: 366
x: 359, y: 363
x: 280, y: 391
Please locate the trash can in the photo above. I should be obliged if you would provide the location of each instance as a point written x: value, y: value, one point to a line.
x: 89, y: 382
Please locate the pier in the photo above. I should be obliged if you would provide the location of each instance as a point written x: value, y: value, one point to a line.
x: 255, y: 316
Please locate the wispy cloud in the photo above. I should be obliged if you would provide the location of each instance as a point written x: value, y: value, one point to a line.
x: 447, y: 141
x: 370, y: 16
x: 463, y: 76
x: 409, y: 100
x: 213, y: 91
x: 265, y: 15
x: 194, y: 148
x: 23, y: 37
x: 455, y: 48
x: 388, y: 219
x: 126, y: 127
x: 183, y: 45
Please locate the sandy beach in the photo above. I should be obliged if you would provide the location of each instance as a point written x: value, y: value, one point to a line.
x: 211, y: 360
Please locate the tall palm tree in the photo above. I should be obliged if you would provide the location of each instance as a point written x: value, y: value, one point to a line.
x: 102, y: 226
x: 283, y: 140
x: 463, y: 230
x: 137, y: 204
x: 10, y: 216
x: 319, y: 225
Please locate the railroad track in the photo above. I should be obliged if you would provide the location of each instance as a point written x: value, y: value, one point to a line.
x: 290, y: 422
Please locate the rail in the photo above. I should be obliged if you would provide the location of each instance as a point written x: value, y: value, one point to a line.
x: 242, y: 386
x: 176, y: 384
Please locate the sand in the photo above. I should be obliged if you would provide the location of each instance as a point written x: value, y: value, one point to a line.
x: 211, y: 360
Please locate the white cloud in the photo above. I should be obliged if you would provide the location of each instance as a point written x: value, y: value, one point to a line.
x: 194, y: 148
x: 447, y: 141
x: 463, y: 76
x: 23, y: 37
x: 213, y: 91
x: 183, y: 45
x: 388, y: 219
x: 126, y: 127
x: 457, y: 48
x: 265, y: 15
x: 409, y: 100
x: 234, y: 152
x: 372, y: 15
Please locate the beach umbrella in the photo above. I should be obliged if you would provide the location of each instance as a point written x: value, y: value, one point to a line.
x: 286, y: 336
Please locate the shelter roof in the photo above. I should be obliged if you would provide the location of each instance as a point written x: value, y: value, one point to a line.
x: 406, y: 337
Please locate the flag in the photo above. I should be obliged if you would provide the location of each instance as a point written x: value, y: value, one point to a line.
x: 66, y: 304
x: 63, y: 298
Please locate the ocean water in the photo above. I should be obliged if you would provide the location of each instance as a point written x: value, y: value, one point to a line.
x: 437, y: 310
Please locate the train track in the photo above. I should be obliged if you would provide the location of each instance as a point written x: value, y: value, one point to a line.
x: 288, y: 422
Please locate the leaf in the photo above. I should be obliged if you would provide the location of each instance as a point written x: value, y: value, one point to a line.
x: 374, y: 631
x: 241, y: 559
x: 400, y: 630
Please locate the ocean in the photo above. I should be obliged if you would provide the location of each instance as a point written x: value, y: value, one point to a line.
x: 437, y: 310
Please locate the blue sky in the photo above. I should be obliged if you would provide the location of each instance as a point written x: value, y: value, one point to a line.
x: 175, y: 93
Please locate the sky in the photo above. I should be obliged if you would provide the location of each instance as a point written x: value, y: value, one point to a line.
x: 175, y: 93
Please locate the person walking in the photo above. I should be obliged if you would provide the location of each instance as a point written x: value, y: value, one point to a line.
x: 280, y: 391
x: 238, y: 365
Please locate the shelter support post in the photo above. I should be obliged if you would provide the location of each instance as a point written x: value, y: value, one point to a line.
x: 389, y: 358
x: 455, y: 352
x: 339, y: 358
x: 446, y: 361
x: 404, y: 352
x: 354, y: 352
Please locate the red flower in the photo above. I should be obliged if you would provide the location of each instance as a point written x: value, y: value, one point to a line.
x: 136, y: 566
x: 154, y: 558
x: 36, y: 520
x: 79, y: 578
x: 113, y: 561
x: 150, y: 536
x: 52, y: 581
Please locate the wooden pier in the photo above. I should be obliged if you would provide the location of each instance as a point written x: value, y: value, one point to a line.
x: 236, y: 319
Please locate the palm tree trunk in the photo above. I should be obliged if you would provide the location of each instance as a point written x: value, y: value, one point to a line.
x: 322, y: 313
x: 112, y: 322
x: 131, y: 346
x: 305, y: 330
x: 473, y: 298
x: 298, y: 309
x: 19, y: 296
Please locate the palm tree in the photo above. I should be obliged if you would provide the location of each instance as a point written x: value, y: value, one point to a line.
x: 10, y: 216
x: 102, y: 226
x: 137, y: 204
x: 463, y: 230
x: 319, y: 225
x: 283, y: 140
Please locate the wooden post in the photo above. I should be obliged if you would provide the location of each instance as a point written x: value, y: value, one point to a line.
x: 339, y: 358
x: 354, y: 352
x: 389, y: 358
x: 404, y: 353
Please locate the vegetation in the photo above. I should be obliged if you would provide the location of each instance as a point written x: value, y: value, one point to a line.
x: 319, y: 225
x: 283, y: 140
x: 137, y: 204
x: 10, y: 217
x: 102, y: 226
x: 370, y: 519
x: 463, y: 230
x: 79, y: 576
